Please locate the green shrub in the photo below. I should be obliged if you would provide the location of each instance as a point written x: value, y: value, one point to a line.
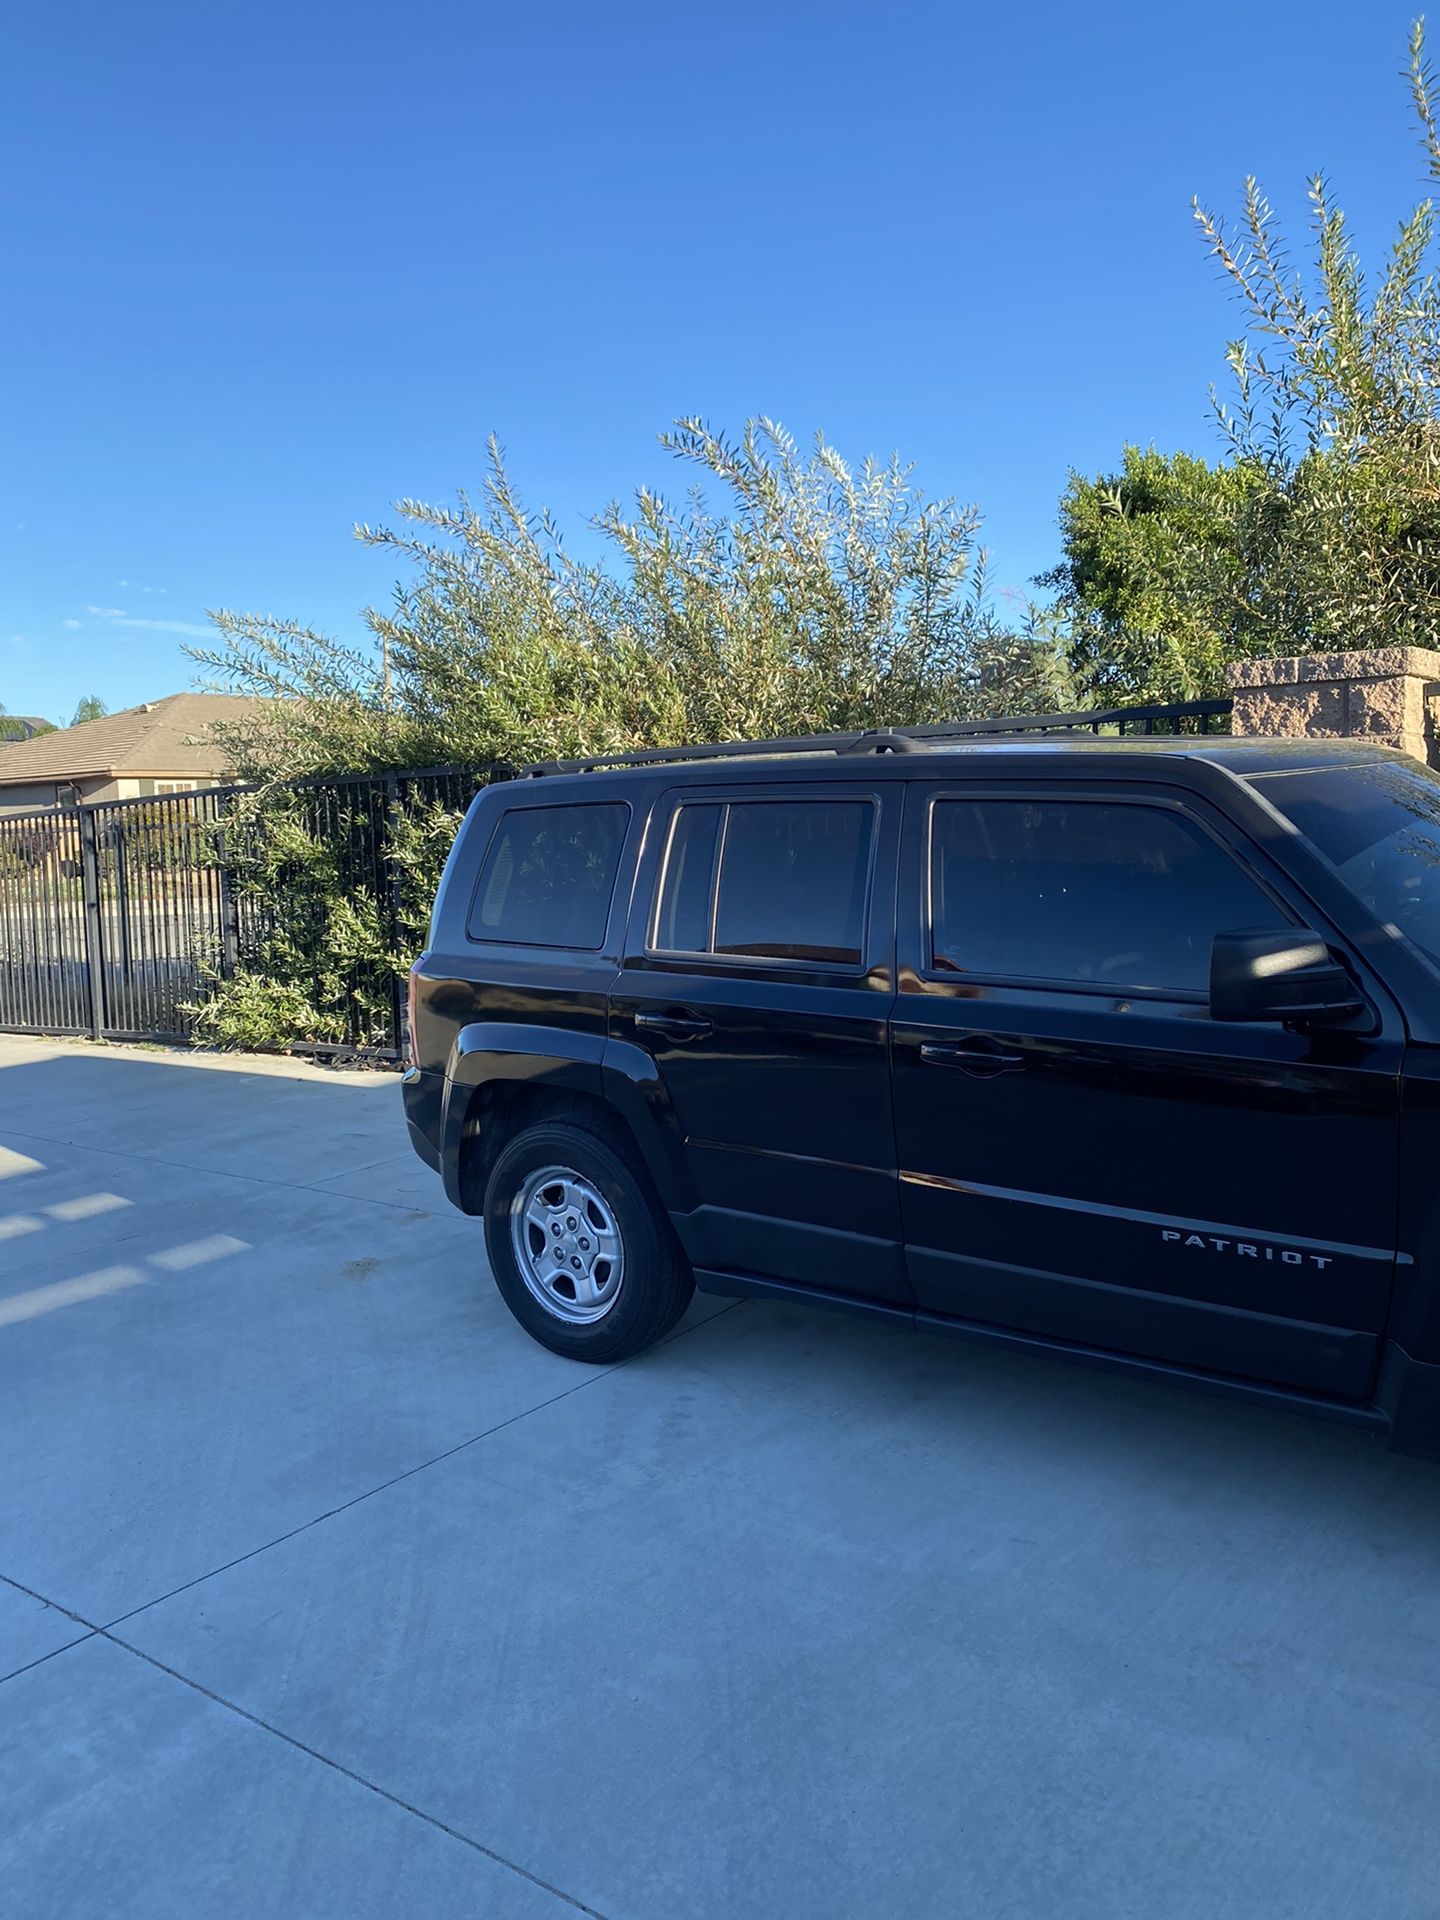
x: 321, y: 950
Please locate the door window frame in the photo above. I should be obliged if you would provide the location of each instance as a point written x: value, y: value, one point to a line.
x: 877, y: 940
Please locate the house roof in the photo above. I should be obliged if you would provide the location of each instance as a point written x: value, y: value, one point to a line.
x: 161, y: 738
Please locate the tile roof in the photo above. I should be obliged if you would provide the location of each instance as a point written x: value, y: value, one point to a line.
x: 162, y: 737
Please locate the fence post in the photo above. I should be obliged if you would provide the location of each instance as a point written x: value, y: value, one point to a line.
x: 1385, y: 696
x: 392, y: 872
x: 94, y: 935
x: 229, y: 927
x: 121, y: 850
x: 229, y: 904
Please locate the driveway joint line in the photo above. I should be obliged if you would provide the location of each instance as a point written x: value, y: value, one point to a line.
x: 290, y: 1740
x: 349, y: 1773
x: 54, y: 1605
x: 39, y: 1661
x: 45, y: 1601
x: 409, y: 1473
x: 345, y: 1505
x: 384, y: 1486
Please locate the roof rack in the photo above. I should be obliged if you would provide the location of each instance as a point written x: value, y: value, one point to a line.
x: 871, y: 740
x: 898, y: 739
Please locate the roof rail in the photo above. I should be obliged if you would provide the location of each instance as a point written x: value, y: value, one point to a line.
x: 1144, y: 720
x: 871, y: 740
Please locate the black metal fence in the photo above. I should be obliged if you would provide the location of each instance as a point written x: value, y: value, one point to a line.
x: 118, y: 918
x: 1161, y: 723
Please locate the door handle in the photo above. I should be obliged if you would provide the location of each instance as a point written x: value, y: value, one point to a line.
x: 980, y: 1057
x: 676, y: 1023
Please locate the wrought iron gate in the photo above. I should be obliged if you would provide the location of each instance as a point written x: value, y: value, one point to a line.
x: 110, y: 913
x: 116, y: 915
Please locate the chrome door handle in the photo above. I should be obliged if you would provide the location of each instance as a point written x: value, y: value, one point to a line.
x: 676, y: 1023
x: 982, y: 1059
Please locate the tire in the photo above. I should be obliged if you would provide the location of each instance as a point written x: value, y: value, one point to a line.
x: 577, y: 1189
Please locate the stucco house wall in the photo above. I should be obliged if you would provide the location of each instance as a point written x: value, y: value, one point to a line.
x: 46, y: 796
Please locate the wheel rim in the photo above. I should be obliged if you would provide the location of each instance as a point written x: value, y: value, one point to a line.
x: 567, y: 1244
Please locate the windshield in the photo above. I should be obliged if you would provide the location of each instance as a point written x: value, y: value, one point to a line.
x: 1379, y: 826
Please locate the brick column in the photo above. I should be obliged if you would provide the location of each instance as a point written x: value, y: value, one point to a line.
x: 1385, y: 696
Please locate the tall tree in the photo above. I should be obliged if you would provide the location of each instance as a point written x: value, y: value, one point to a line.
x: 13, y: 728
x: 1318, y: 528
x: 89, y: 707
x: 811, y: 595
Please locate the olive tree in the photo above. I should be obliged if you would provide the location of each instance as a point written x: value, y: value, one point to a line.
x: 784, y: 591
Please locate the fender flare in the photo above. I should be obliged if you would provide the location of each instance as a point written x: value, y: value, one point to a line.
x: 616, y: 1072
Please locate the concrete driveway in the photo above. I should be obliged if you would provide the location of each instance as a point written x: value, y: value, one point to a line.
x: 326, y: 1592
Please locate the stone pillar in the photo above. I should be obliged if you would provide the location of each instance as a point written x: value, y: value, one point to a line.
x: 1385, y: 696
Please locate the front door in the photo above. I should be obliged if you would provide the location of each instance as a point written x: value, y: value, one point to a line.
x: 759, y: 975
x: 1083, y: 1152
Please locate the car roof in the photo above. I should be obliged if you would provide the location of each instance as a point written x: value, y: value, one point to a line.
x: 1007, y: 754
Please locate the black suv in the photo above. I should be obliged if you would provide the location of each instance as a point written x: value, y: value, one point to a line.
x: 1127, y: 1051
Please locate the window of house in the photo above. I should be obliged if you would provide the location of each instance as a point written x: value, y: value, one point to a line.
x: 767, y: 879
x: 548, y: 876
x: 1116, y: 896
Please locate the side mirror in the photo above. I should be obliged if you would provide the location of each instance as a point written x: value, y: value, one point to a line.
x: 1279, y: 976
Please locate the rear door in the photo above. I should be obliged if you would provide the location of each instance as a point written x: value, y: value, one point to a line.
x: 1084, y: 1153
x: 759, y: 975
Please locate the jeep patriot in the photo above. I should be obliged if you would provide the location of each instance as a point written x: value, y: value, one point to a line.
x: 1125, y: 1051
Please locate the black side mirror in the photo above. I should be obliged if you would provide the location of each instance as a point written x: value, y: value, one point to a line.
x: 1280, y: 976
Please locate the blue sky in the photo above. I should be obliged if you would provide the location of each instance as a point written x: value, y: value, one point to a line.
x: 270, y: 267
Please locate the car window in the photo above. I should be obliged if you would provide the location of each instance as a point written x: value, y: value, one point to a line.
x: 682, y: 922
x: 1115, y: 895
x: 548, y: 876
x: 767, y: 879
x: 1379, y: 826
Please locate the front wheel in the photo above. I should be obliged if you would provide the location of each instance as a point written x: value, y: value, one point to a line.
x: 580, y: 1247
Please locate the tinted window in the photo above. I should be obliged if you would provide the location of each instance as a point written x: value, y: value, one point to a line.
x: 1379, y: 826
x: 549, y: 875
x: 791, y: 882
x: 1109, y: 895
x: 682, y: 924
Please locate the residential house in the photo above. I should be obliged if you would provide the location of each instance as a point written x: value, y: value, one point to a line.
x: 159, y: 747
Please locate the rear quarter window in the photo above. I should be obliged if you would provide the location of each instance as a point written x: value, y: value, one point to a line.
x: 549, y: 875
